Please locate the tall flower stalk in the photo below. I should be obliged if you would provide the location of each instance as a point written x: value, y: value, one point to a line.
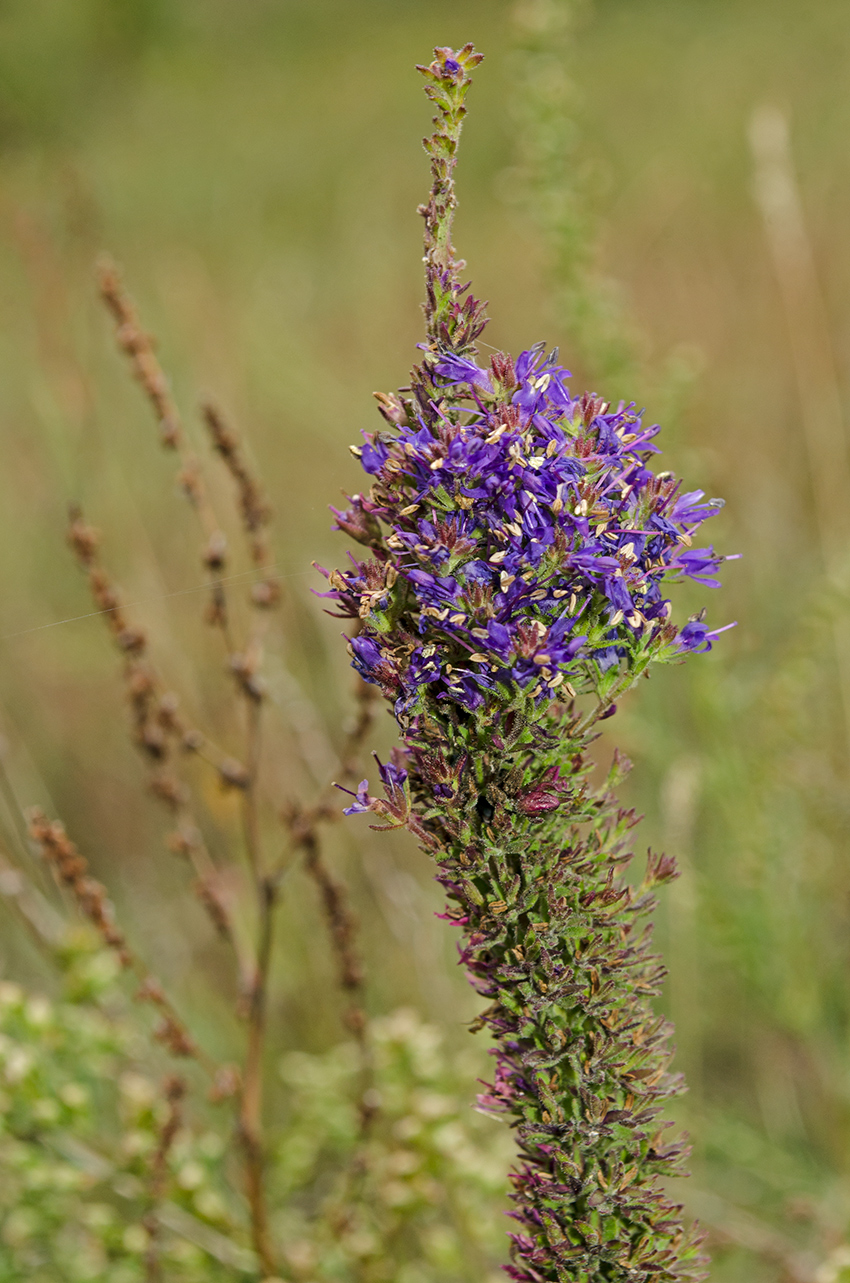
x: 518, y: 546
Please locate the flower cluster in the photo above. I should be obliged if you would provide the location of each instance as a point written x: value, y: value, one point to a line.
x: 519, y: 550
x: 528, y: 540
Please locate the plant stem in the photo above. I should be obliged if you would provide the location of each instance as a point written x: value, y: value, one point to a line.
x: 250, y: 1110
x: 341, y: 926
x: 447, y: 84
x: 250, y: 817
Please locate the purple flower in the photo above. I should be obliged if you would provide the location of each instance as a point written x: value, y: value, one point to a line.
x: 393, y: 774
x: 458, y: 369
x: 700, y: 564
x: 367, y: 655
x: 396, y: 802
x: 697, y: 637
x: 373, y: 455
x: 362, y: 803
x: 688, y: 509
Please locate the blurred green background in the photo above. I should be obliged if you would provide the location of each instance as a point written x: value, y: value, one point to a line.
x: 255, y: 169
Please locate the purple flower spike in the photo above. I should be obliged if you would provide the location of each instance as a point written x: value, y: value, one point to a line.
x: 520, y: 553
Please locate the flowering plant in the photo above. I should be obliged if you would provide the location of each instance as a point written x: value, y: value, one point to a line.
x: 519, y: 547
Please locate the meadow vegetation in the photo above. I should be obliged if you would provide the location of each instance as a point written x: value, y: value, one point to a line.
x: 252, y: 170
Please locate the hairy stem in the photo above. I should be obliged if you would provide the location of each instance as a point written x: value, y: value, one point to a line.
x: 447, y: 84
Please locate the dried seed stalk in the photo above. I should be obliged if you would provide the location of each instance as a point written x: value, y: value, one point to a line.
x: 254, y: 509
x: 72, y: 871
x: 159, y: 732
x: 139, y: 347
x: 167, y: 735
